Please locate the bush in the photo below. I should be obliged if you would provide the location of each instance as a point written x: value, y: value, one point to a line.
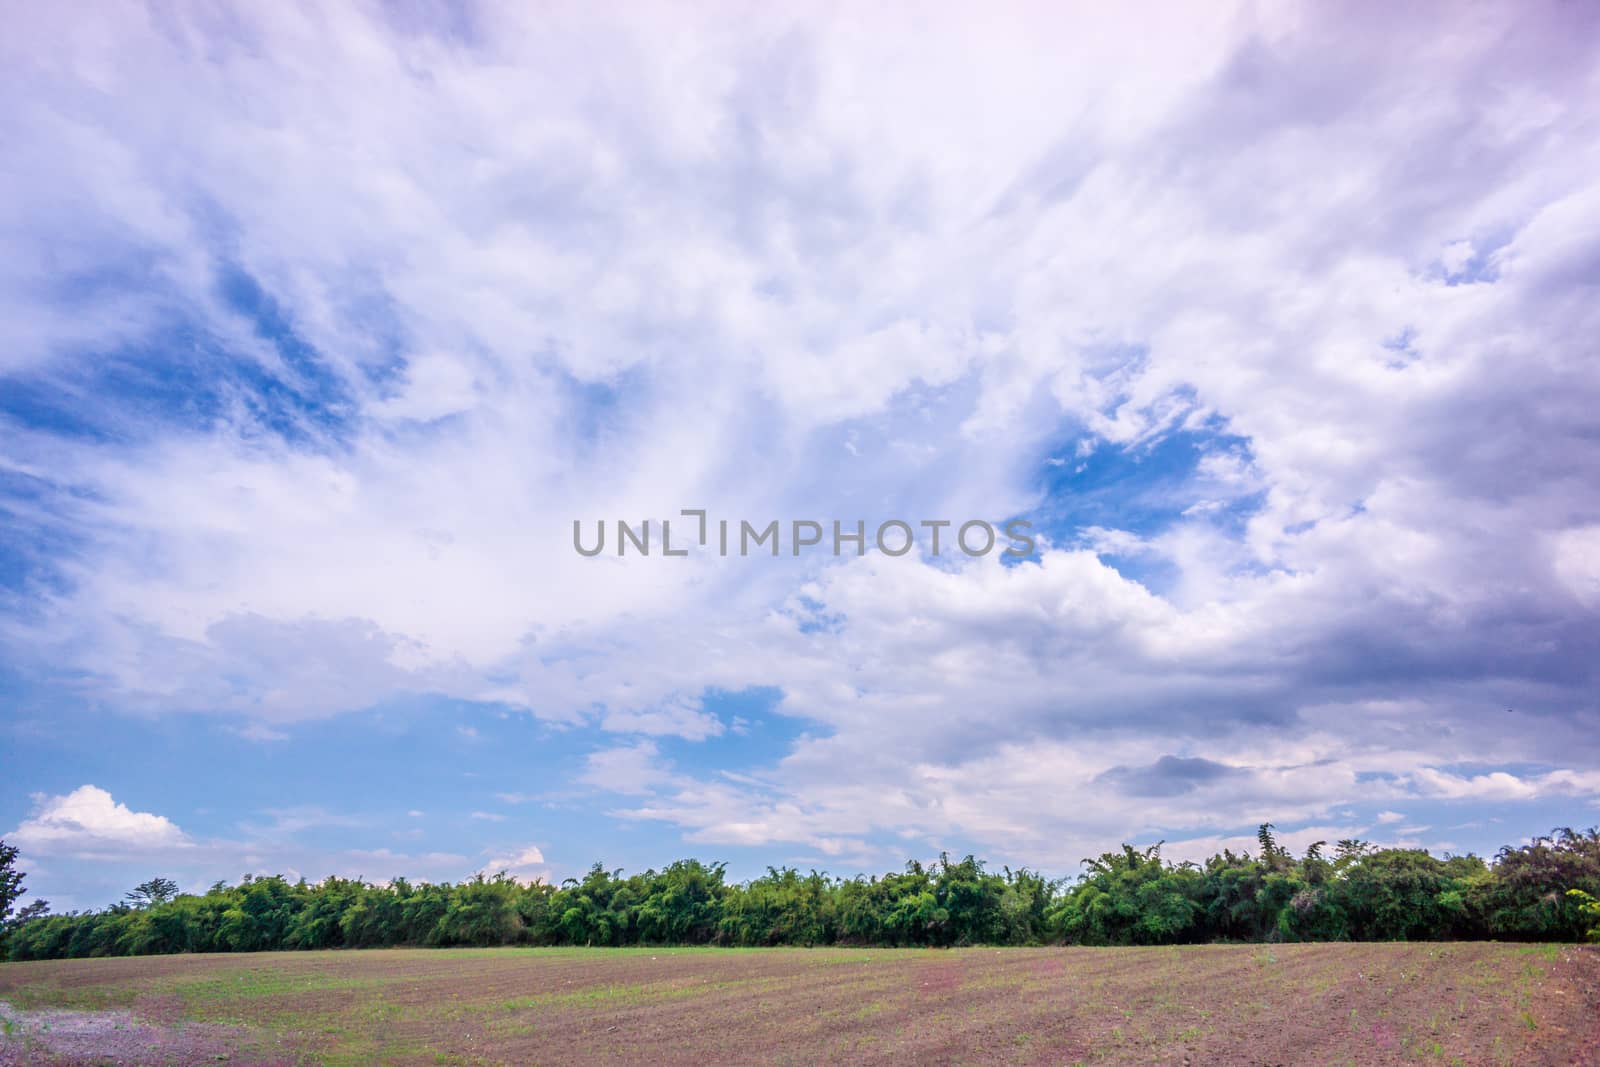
x: 1544, y: 890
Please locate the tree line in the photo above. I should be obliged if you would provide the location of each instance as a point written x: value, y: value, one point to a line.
x: 1541, y: 891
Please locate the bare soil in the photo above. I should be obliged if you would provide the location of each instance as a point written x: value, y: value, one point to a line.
x: 113, y: 1037
x: 1254, y: 1005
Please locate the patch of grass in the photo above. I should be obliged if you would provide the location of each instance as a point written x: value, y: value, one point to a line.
x: 611, y: 994
x: 259, y: 985
x: 1545, y: 952
x: 85, y: 998
x: 363, y: 1051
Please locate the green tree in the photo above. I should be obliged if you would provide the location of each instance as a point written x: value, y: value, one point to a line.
x: 155, y: 891
x: 1131, y: 898
x: 10, y: 881
x: 37, y: 909
x: 482, y: 911
x: 1405, y: 895
x: 1526, y: 899
x: 1589, y: 909
x: 1545, y: 889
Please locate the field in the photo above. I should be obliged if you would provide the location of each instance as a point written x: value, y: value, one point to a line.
x: 1245, y: 1004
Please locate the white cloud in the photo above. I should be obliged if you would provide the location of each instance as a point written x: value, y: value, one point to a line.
x: 292, y: 820
x: 88, y: 821
x: 525, y: 864
x: 95, y: 848
x: 1502, y: 785
x: 677, y: 716
x: 804, y: 273
x: 1575, y: 556
x: 1198, y: 849
x: 256, y: 731
x: 634, y: 768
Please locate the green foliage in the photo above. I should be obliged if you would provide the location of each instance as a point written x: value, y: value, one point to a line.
x: 1130, y: 898
x: 1527, y: 900
x: 10, y: 881
x: 782, y: 907
x: 1545, y: 890
x: 155, y: 891
x: 480, y: 912
x: 1588, y: 909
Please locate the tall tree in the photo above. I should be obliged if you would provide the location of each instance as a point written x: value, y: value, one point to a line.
x: 155, y: 891
x: 10, y: 880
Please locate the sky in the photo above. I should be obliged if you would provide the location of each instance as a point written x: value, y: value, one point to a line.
x: 321, y: 325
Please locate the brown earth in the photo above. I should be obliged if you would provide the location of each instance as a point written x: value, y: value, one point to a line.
x: 1242, y: 1004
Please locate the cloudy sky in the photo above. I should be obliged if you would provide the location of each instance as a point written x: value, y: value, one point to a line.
x: 318, y: 329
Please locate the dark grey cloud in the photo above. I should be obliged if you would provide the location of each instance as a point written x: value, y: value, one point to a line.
x: 1168, y: 776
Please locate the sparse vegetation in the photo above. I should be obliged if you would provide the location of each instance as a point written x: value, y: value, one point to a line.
x: 1362, y: 1004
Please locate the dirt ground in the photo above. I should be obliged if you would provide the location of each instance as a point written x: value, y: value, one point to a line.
x: 1244, y: 1004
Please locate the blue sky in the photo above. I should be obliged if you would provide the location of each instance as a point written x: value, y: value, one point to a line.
x: 319, y: 329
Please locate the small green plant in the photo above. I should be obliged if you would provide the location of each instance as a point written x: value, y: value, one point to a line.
x: 1589, y: 909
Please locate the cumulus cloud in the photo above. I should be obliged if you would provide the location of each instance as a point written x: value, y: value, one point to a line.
x: 525, y: 864
x: 798, y: 271
x: 94, y: 847
x: 88, y: 821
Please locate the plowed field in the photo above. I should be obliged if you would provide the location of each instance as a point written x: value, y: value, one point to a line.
x: 1247, y: 1004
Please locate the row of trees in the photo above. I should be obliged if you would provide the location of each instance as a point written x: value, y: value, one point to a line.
x: 1541, y: 891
